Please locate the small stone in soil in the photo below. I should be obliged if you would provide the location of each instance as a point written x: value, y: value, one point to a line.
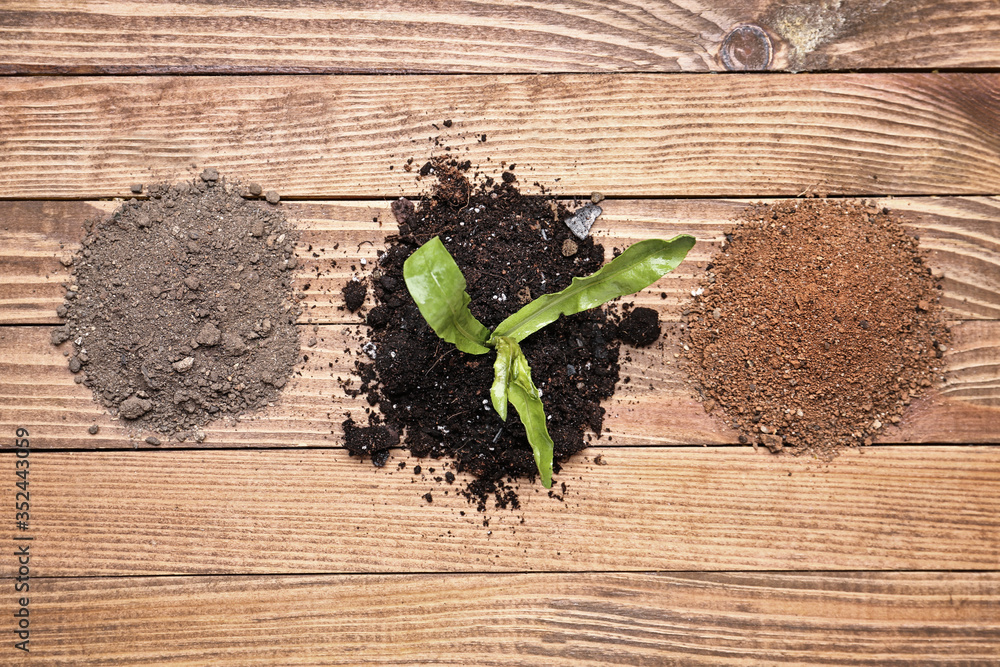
x: 272, y: 197
x: 153, y: 440
x: 581, y: 221
x: 772, y: 442
x: 183, y: 365
x: 134, y: 407
x: 136, y: 188
x: 209, y: 335
x: 233, y: 344
x: 94, y: 428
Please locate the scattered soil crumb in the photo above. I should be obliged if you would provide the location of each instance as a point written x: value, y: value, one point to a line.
x: 509, y: 246
x: 354, y: 295
x: 179, y: 312
x: 818, y: 323
x: 375, y: 441
x: 640, y: 328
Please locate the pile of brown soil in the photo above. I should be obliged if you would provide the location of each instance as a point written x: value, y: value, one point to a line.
x: 817, y: 325
x: 181, y: 308
x: 511, y: 248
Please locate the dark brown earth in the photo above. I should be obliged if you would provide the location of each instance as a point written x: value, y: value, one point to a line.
x: 640, y: 327
x: 354, y: 295
x: 181, y: 308
x: 512, y: 248
x: 818, y: 324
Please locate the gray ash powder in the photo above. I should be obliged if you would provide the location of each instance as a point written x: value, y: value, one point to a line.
x: 181, y: 308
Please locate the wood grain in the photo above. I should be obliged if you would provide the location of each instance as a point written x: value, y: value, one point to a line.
x: 269, y: 545
x: 657, y: 406
x: 962, y: 235
x: 624, y: 135
x: 467, y: 36
x: 128, y: 513
x: 707, y: 618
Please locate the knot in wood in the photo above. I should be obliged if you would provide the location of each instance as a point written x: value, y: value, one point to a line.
x: 747, y: 48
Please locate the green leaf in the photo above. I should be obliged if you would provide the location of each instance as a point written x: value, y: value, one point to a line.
x: 637, y: 268
x: 502, y: 374
x: 523, y: 395
x: 437, y: 285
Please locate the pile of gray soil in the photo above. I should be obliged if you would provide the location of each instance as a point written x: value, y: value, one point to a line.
x: 181, y: 310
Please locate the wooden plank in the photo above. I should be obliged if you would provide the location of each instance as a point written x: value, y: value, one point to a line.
x: 310, y: 411
x: 38, y: 391
x: 657, y: 406
x: 624, y: 135
x: 962, y: 235
x: 464, y: 36
x: 318, y: 511
x: 851, y: 618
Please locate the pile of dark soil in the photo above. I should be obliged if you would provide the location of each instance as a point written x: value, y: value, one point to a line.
x: 817, y: 325
x: 512, y: 248
x: 181, y: 309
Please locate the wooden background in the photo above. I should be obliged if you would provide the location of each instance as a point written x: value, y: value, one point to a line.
x: 268, y: 545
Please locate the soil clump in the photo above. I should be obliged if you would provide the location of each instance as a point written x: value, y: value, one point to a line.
x: 181, y: 308
x: 510, y: 248
x: 640, y: 327
x: 818, y: 323
x: 354, y: 295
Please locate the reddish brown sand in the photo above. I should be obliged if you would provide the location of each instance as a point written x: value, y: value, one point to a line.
x: 818, y: 323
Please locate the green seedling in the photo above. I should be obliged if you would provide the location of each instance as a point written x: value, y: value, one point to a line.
x: 438, y: 287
